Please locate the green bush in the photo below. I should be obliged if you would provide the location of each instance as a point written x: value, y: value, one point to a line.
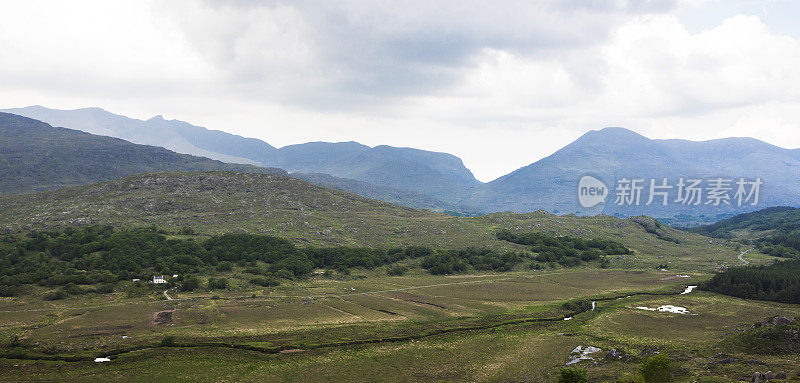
x: 55, y: 295
x: 18, y: 353
x: 396, y: 270
x: 187, y: 231
x: 573, y: 375
x: 105, y: 288
x: 656, y: 369
x: 168, y: 341
x: 217, y: 284
x: 190, y: 283
x: 577, y: 305
x: 224, y: 266
x: 265, y: 281
x: 284, y: 274
x: 8, y: 291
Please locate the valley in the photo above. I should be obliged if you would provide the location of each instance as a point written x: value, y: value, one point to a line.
x: 271, y: 277
x: 472, y: 325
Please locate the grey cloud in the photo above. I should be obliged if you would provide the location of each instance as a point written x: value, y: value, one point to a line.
x: 374, y: 52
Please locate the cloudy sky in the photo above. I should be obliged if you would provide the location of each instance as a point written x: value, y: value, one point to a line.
x: 500, y: 84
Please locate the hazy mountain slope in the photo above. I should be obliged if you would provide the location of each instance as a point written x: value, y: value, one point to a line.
x: 437, y: 175
x: 551, y: 183
x: 389, y: 194
x: 175, y: 135
x: 614, y: 153
x: 35, y: 156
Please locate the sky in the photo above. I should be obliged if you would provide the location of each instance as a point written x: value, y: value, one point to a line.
x: 500, y: 84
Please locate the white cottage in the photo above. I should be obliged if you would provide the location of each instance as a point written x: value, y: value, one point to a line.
x: 159, y: 279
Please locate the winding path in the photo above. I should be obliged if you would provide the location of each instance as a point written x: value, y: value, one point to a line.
x: 742, y: 259
x: 169, y: 298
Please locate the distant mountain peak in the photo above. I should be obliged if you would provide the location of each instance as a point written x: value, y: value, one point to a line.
x: 615, y: 132
x: 610, y: 137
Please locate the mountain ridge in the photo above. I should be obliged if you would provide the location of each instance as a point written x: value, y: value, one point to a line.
x: 611, y: 154
x: 35, y: 156
x: 405, y: 175
x: 439, y: 175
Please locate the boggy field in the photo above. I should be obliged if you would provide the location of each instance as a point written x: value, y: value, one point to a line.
x: 488, y: 327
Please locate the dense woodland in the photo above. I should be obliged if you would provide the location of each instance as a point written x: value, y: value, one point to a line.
x: 103, y: 255
x: 566, y: 250
x: 779, y: 282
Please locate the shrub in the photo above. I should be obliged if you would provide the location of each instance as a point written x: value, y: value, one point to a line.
x: 577, y: 305
x: 8, y: 291
x: 656, y: 369
x: 18, y: 353
x: 190, y: 283
x: 217, y: 284
x: 224, y: 266
x: 168, y: 341
x: 55, y: 295
x: 265, y: 281
x: 15, y: 341
x: 573, y: 375
x: 186, y: 231
x: 535, y: 266
x: 285, y: 274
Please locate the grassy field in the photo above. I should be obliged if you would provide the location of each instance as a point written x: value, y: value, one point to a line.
x: 488, y: 330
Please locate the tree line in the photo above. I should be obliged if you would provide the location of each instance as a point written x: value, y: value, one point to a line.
x: 565, y: 250
x: 779, y: 282
x: 104, y: 255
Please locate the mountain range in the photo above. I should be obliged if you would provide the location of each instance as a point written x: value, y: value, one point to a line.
x: 441, y: 182
x: 438, y: 175
x: 35, y: 156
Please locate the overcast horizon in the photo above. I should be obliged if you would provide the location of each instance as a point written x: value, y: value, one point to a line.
x: 499, y: 86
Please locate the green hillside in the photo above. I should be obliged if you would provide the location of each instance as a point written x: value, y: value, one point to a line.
x: 35, y: 156
x: 757, y: 223
x: 225, y: 202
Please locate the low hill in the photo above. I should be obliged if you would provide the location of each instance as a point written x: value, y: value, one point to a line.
x: 224, y: 202
x: 758, y: 223
x: 35, y: 156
